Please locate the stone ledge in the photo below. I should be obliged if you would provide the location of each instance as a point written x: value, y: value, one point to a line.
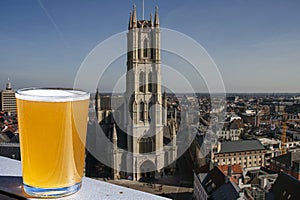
x: 11, y: 182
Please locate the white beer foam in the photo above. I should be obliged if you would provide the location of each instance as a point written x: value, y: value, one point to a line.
x: 51, y: 95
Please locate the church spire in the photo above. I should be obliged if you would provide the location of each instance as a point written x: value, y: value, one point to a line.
x: 130, y: 21
x: 134, y: 20
x: 156, y: 18
x: 151, y: 19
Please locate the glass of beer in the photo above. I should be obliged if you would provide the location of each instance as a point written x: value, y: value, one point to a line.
x: 52, y: 130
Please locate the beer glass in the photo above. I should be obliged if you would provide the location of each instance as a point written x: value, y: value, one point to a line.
x: 52, y: 130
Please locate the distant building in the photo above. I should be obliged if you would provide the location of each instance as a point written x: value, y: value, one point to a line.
x: 10, y: 150
x: 232, y: 134
x: 286, y: 187
x: 288, y: 163
x: 273, y: 148
x: 215, y: 185
x: 252, y: 118
x: 256, y: 182
x: 8, y: 100
x: 235, y: 172
x: 247, y: 153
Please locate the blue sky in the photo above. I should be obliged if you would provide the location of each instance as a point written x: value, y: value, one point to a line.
x: 255, y: 44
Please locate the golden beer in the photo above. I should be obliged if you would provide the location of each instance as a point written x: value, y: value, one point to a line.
x: 52, y: 127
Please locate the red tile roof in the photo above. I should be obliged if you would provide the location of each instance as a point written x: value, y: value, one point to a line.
x: 235, y: 169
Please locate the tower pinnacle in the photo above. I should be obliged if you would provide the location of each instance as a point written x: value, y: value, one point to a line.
x: 156, y: 18
x: 130, y: 21
x: 134, y: 20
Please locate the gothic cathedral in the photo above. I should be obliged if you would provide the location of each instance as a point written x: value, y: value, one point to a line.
x: 145, y: 107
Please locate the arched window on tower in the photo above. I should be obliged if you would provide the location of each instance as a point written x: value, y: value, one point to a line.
x: 150, y: 110
x: 141, y: 113
x: 142, y: 82
x: 145, y: 55
x: 134, y: 112
x: 146, y: 145
x: 150, y: 82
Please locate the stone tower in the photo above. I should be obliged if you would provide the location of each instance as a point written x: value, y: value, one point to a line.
x: 144, y: 115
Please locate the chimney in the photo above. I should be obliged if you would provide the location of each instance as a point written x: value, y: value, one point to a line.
x: 229, y: 171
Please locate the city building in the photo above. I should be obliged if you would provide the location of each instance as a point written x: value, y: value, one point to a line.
x: 286, y: 187
x: 215, y: 185
x: 256, y: 182
x: 251, y: 117
x: 9, y: 136
x: 232, y: 134
x: 273, y: 148
x: 247, y: 153
x: 235, y: 172
x: 8, y: 100
x: 288, y: 163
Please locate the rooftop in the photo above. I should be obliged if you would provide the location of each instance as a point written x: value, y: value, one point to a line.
x: 288, y: 158
x: 235, y: 169
x: 286, y: 187
x: 218, y: 185
x: 241, y: 145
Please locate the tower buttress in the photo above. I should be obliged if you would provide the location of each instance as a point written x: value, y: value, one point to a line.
x: 165, y: 108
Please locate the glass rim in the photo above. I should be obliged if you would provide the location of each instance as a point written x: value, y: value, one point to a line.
x: 56, y: 95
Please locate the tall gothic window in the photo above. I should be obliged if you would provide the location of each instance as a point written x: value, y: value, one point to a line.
x: 145, y: 48
x: 150, y: 82
x: 146, y: 145
x: 150, y: 110
x: 141, y: 113
x: 141, y: 82
x: 152, y: 53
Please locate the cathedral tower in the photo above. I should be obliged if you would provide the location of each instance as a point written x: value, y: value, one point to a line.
x: 144, y: 119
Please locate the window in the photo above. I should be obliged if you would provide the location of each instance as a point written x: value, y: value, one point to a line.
x: 146, y: 145
x: 152, y: 53
x: 145, y: 48
x: 150, y: 82
x: 150, y: 110
x: 141, y: 82
x: 142, y: 109
x: 134, y: 112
